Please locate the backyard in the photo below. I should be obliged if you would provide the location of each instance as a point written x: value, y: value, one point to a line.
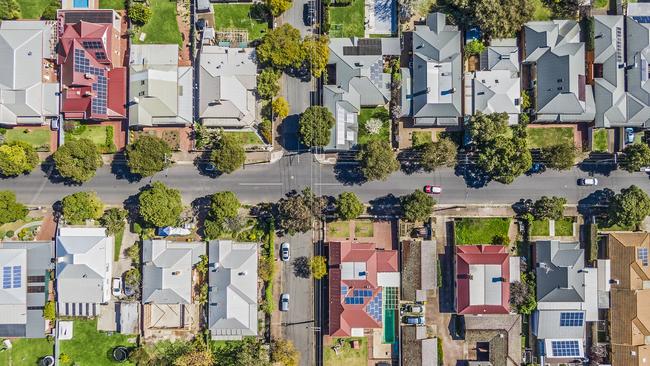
x: 111, y: 4
x: 548, y: 136
x: 338, y: 229
x: 84, y: 334
x: 363, y: 229
x: 347, y: 356
x: 472, y: 231
x: 379, y: 113
x: 347, y: 21
x: 241, y: 16
x: 101, y: 136
x: 162, y: 28
x: 26, y: 352
x: 599, y: 140
x: 563, y: 227
x: 32, y: 9
x: 39, y: 138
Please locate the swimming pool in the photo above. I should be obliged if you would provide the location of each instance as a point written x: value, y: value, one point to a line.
x: 390, y: 314
x: 80, y: 4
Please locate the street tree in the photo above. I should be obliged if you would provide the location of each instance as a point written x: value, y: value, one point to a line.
x: 284, y: 352
x: 248, y: 352
x: 377, y: 160
x: 296, y: 212
x: 348, y: 206
x: 551, y: 208
x: 317, y: 54
x: 268, y: 83
x: 223, y: 205
x: 81, y: 206
x: 277, y: 7
x: 17, y: 157
x: 148, y: 155
x: 10, y: 209
x: 280, y: 108
x: 315, y: 125
x: 484, y: 128
x: 160, y: 205
x: 229, y: 154
x: 281, y: 48
x: 441, y: 153
x: 417, y: 206
x: 504, y: 159
x: 113, y: 220
x: 629, y: 207
x: 77, y: 160
x: 560, y: 156
x: 318, y: 266
x: 636, y: 156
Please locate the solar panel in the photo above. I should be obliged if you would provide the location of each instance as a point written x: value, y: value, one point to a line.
x: 17, y: 276
x: 92, y: 44
x: 100, y: 55
x: 565, y: 348
x: 344, y: 289
x: 6, y: 277
x: 364, y: 47
x: 642, y: 254
x: 642, y: 19
x: 374, y: 308
x: 571, y: 319
x: 92, y: 16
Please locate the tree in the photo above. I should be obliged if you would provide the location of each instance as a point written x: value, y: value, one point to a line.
x: 475, y: 47
x: 229, y: 154
x: 148, y: 155
x: 522, y: 295
x: 636, y: 156
x: 277, y: 7
x: 77, y: 160
x: 563, y: 9
x: 10, y: 209
x: 348, y: 206
x: 315, y: 125
x: 504, y: 159
x: 629, y: 207
x: 81, y: 206
x: 280, y: 108
x: 198, y: 354
x: 281, y: 48
x: 597, y: 354
x: 139, y: 13
x: 484, y: 128
x: 317, y: 53
x: 561, y: 156
x: 438, y: 154
x: 17, y: 157
x: 247, y: 352
x: 417, y: 206
x: 495, y: 18
x: 49, y: 310
x: 113, y: 220
x: 549, y: 208
x: 160, y: 205
x: 49, y: 13
x: 284, y: 352
x: 318, y: 266
x: 377, y: 160
x: 224, y: 204
x: 9, y: 9
x: 500, y: 239
x: 268, y: 83
x: 296, y: 212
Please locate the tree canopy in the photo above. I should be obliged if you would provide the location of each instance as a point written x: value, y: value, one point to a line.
x: 636, y: 156
x: 629, y: 207
x: 139, y: 13
x: 348, y: 206
x: 229, y: 154
x: 113, y: 220
x: 522, y: 295
x: 277, y: 7
x: 377, y: 160
x: 561, y: 156
x: 495, y: 18
x: 284, y: 352
x: 148, y: 155
x: 160, y: 205
x: 317, y: 54
x: 224, y: 207
x: 549, y: 208
x: 9, y: 9
x: 17, y: 157
x: 81, y: 206
x: 77, y: 160
x: 10, y: 209
x: 563, y: 9
x: 296, y: 212
x: 438, y: 154
x: 318, y: 266
x: 268, y: 83
x: 417, y: 206
x: 281, y: 48
x: 280, y: 108
x: 484, y: 128
x: 315, y: 125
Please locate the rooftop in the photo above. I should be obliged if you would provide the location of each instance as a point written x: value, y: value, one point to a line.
x: 482, y: 279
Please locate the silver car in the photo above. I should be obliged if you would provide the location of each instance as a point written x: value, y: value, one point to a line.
x: 285, y: 253
x: 284, y: 302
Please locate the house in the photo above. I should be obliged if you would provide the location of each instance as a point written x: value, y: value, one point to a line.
x: 629, y: 317
x: 93, y: 80
x: 160, y: 92
x: 495, y: 88
x: 356, y: 79
x: 494, y: 338
x: 637, y: 53
x: 483, y: 277
x: 232, y: 294
x: 28, y: 85
x: 227, y: 87
x: 79, y: 4
x: 359, y: 276
x: 435, y: 76
x: 84, y: 263
x: 555, y: 64
x: 26, y: 268
x: 566, y: 299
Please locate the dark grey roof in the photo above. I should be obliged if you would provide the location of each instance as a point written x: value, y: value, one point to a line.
x: 559, y: 272
x: 638, y: 83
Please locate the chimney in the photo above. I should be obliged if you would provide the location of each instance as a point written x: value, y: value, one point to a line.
x: 176, y: 273
x: 243, y: 273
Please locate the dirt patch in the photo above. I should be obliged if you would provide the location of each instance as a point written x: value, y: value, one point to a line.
x: 410, y: 269
x: 183, y: 20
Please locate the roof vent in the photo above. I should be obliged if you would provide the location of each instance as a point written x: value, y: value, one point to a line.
x: 243, y: 273
x: 176, y: 273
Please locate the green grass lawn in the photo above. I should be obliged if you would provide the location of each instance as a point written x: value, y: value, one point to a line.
x: 564, y: 227
x: 111, y: 4
x: 599, y: 140
x: 347, y: 356
x: 91, y: 347
x: 541, y: 11
x: 39, y: 137
x: 162, y: 28
x: 247, y: 137
x: 347, y: 21
x: 470, y: 231
x: 363, y: 229
x: 32, y: 9
x: 539, y: 228
x: 419, y: 138
x: 367, y: 113
x: 241, y: 16
x: 544, y: 137
x: 26, y: 352
x: 338, y: 229
x: 96, y: 134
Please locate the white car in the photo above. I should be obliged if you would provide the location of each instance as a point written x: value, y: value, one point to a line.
x: 645, y: 169
x: 285, y: 253
x: 284, y: 302
x: 117, y: 286
x: 588, y: 182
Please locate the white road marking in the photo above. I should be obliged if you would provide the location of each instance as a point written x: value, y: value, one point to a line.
x: 260, y: 184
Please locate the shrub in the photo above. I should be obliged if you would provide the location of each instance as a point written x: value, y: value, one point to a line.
x: 139, y: 13
x: 266, y: 130
x: 49, y: 13
x: 318, y: 265
x: 49, y: 311
x: 10, y: 234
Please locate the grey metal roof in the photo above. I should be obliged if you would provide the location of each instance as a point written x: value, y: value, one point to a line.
x: 638, y: 83
x: 548, y: 326
x: 559, y: 272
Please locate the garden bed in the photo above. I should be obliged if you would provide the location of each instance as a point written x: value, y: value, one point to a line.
x: 363, y: 229
x: 162, y: 28
x: 419, y: 138
x: 379, y: 113
x: 39, y: 138
x: 473, y: 231
x: 249, y: 17
x: 338, y: 229
x: 600, y: 140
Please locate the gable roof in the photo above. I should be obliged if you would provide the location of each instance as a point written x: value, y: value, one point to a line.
x: 167, y: 270
x: 559, y: 272
x: 232, y: 298
x: 637, y: 41
x: 482, y: 279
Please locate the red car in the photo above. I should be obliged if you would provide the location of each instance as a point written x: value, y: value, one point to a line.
x: 432, y: 189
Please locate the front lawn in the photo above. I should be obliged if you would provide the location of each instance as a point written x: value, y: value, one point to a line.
x: 347, y: 21
x: 599, y: 139
x: 564, y: 227
x: 32, y: 9
x: 539, y: 228
x: 549, y: 136
x: 246, y: 137
x: 419, y: 138
x: 363, y: 229
x: 111, y: 4
x: 472, y: 231
x: 338, y: 229
x: 39, y: 138
x: 379, y: 113
x: 162, y: 28
x: 26, y: 352
x: 241, y: 16
x: 88, y: 346
x: 346, y: 355
x: 101, y: 136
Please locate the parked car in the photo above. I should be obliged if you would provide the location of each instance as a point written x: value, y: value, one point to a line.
x: 309, y: 13
x: 414, y: 320
x: 588, y: 182
x: 414, y: 308
x: 432, y: 189
x: 209, y: 167
x: 284, y: 302
x: 629, y: 135
x: 645, y: 169
x: 285, y: 254
x: 537, y: 168
x: 117, y: 286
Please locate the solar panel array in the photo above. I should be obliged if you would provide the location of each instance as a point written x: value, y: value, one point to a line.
x: 92, y: 44
x: 571, y: 319
x: 642, y: 19
x: 344, y: 290
x: 100, y: 55
x: 642, y: 254
x: 358, y: 297
x: 565, y: 348
x: 100, y: 86
x: 11, y: 277
x: 374, y: 308
x: 377, y: 73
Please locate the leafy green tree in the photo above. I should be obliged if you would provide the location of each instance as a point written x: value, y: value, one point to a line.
x: 496, y: 18
x: 247, y: 352
x: 484, y: 128
x: 229, y: 154
x: 49, y: 310
x: 280, y: 108
x: 318, y: 266
x: 417, y: 206
x: 563, y: 9
x: 317, y: 53
x: 277, y: 7
x: 505, y: 159
x: 636, y: 156
x: 81, y: 206
x: 522, y: 295
x: 296, y: 212
x: 77, y: 160
x: 113, y: 220
x: 198, y: 354
x: 561, y: 156
x: 281, y: 48
x: 474, y: 48
x: 500, y: 239
x: 148, y: 155
x: 438, y: 154
x: 315, y: 125
x: 17, y: 157
x: 549, y: 208
x: 49, y: 13
x: 268, y: 83
x: 10, y: 209
x: 377, y: 160
x: 223, y: 205
x: 9, y: 9
x: 139, y: 13
x: 629, y: 207
x: 348, y: 206
x: 160, y: 205
x: 284, y: 352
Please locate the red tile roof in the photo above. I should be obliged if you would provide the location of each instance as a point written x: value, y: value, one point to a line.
x: 345, y: 316
x: 467, y: 255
